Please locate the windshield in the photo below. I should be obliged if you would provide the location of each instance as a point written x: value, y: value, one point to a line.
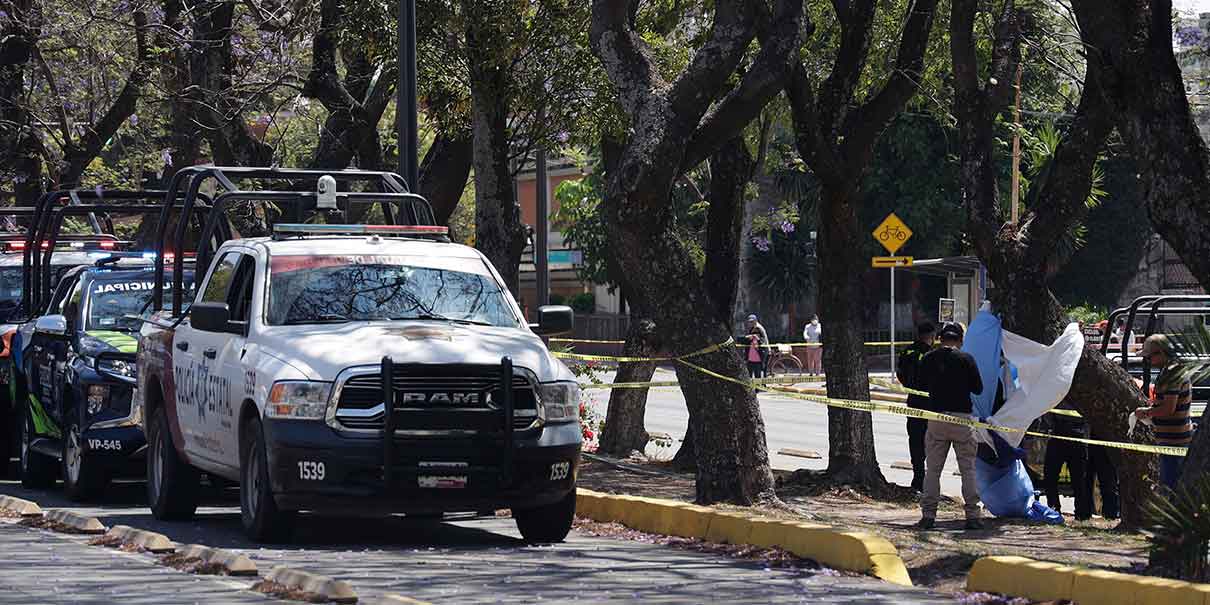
x: 111, y: 301
x: 12, y: 284
x: 314, y: 289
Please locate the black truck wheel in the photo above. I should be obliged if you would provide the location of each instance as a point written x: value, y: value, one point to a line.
x: 37, y: 470
x: 10, y: 434
x: 172, y: 485
x: 84, y: 477
x: 548, y: 523
x: 263, y: 521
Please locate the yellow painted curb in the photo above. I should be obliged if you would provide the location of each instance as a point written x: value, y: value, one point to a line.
x: 850, y: 551
x: 1045, y: 581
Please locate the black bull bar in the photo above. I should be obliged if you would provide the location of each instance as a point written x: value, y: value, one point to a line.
x: 389, y: 425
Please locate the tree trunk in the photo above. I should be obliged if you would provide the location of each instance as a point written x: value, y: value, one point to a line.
x: 851, y: 457
x: 730, y: 169
x: 183, y: 143
x: 686, y: 458
x: 20, y: 146
x: 444, y: 172
x: 232, y: 142
x: 499, y: 232
x: 624, y: 430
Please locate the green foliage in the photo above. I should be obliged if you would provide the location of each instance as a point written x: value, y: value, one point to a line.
x: 582, y: 223
x: 1181, y: 531
x: 584, y: 302
x: 1191, y: 349
x: 784, y: 267
x: 1086, y: 314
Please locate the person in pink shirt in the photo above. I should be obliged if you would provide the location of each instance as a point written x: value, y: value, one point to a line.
x: 755, y: 353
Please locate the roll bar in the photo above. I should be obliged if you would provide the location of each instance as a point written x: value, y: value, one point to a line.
x: 391, y: 188
x: 48, y: 223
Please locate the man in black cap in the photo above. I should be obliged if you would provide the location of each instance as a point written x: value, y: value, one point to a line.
x: 907, y: 370
x: 950, y: 376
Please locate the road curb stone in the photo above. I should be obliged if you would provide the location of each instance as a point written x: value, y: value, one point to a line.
x: 25, y: 508
x: 1046, y: 581
x: 848, y: 550
x: 331, y: 589
x: 76, y: 521
x: 233, y: 563
x: 149, y: 540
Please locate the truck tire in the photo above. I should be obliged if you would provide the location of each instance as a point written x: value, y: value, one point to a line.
x: 262, y: 520
x: 172, y: 485
x: 10, y: 435
x: 37, y: 470
x: 84, y: 477
x: 549, y: 523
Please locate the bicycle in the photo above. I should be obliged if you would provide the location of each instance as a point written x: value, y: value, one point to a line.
x: 888, y: 232
x: 782, y: 361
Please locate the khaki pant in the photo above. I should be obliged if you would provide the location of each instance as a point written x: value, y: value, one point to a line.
x: 940, y: 436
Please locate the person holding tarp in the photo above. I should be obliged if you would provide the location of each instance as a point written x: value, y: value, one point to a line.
x: 1035, y: 379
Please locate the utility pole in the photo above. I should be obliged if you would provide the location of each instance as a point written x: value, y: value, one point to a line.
x: 405, y: 97
x: 1013, y: 214
x: 541, y: 235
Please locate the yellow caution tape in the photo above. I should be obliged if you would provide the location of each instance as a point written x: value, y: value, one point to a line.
x: 780, y: 344
x: 702, y: 351
x: 870, y: 406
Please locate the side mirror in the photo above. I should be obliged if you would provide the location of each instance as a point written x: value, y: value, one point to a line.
x: 554, y: 319
x: 210, y: 317
x: 51, y: 325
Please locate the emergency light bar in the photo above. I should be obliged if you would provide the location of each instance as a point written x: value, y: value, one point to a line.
x: 306, y: 229
x: 19, y: 245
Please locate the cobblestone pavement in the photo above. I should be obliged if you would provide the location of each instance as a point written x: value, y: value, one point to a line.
x: 397, y: 560
x: 39, y: 566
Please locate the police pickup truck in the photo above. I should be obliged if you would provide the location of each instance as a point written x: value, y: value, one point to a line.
x: 359, y: 369
x: 77, y: 420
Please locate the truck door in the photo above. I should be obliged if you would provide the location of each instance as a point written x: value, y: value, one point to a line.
x: 198, y: 373
x: 47, y: 360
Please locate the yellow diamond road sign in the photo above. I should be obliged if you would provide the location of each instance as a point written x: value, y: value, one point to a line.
x: 892, y: 233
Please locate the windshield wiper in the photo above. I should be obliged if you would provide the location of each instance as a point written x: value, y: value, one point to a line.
x: 324, y: 318
x: 435, y: 317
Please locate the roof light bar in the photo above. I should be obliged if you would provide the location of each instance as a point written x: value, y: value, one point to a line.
x: 306, y: 229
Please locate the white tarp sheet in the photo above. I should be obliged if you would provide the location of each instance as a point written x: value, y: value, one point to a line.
x: 1044, y: 375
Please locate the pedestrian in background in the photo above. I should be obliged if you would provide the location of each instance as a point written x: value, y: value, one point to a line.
x: 950, y: 376
x: 907, y: 370
x: 1170, y: 412
x: 1060, y: 452
x: 812, y: 334
x: 758, y: 350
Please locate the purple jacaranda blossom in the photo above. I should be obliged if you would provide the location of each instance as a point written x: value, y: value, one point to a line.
x: 134, y: 119
x: 166, y: 157
x: 1190, y: 35
x: 787, y: 227
x: 761, y: 244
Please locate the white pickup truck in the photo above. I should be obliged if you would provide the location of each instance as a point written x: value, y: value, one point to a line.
x: 359, y: 369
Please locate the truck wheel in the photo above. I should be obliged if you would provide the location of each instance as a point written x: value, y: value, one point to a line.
x: 548, y: 523
x: 263, y: 521
x: 37, y: 470
x: 9, y: 434
x: 172, y: 485
x: 84, y: 477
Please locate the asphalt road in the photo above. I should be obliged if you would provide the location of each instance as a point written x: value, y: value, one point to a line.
x: 397, y: 560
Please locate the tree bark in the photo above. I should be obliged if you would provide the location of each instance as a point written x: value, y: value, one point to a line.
x: 1021, y: 258
x: 500, y: 233
x: 232, y: 142
x: 730, y: 169
x: 79, y: 154
x: 851, y: 456
x: 835, y: 133
x: 1132, y: 41
x: 21, y: 155
x: 183, y: 143
x: 625, y: 431
x: 444, y: 172
x: 656, y: 267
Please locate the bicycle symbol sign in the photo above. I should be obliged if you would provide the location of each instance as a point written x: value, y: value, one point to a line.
x: 892, y: 233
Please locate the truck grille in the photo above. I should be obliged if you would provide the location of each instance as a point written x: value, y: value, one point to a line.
x: 436, y: 398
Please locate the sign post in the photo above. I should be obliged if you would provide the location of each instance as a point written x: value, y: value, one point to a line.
x: 892, y: 233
